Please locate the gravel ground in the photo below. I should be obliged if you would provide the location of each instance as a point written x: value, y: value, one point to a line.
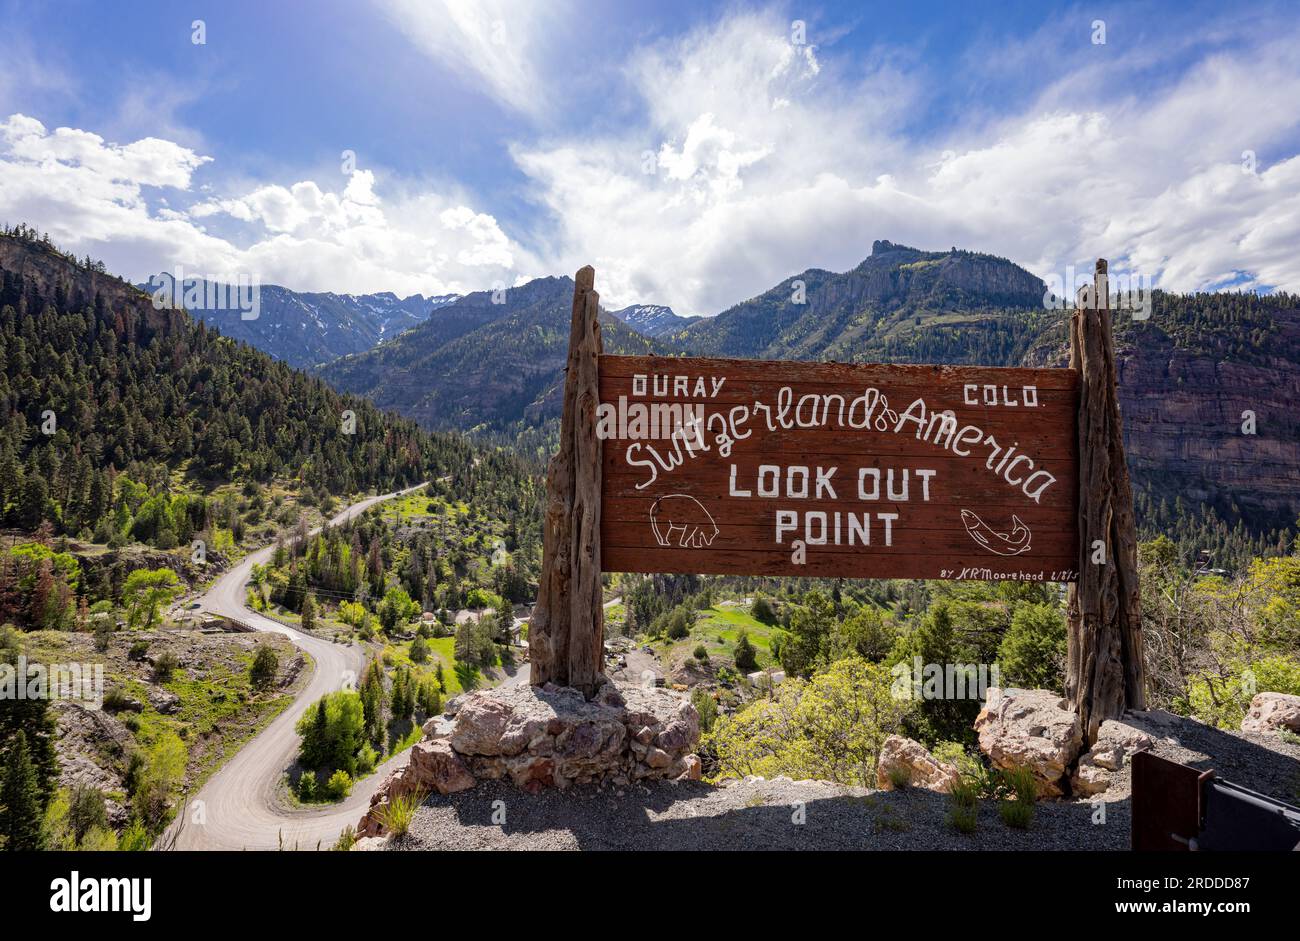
x: 744, y: 815
x: 761, y: 814
x: 1263, y: 763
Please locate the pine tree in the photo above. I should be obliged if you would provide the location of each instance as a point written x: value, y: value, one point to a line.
x: 372, y: 701
x: 20, y: 803
x: 308, y: 612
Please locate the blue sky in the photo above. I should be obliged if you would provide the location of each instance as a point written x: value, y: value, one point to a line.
x: 695, y: 153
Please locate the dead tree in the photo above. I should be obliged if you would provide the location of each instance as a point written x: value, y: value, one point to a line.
x: 1105, y: 672
x: 567, y: 634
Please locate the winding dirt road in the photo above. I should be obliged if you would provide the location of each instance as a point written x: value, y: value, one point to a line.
x: 237, y: 808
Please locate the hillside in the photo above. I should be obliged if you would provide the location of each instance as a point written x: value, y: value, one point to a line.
x: 307, y: 329
x: 859, y: 315
x: 479, y: 364
x: 97, y: 383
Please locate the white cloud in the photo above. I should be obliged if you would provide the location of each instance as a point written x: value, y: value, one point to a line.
x: 764, y: 158
x: 497, y: 42
x: 773, y: 157
x: 93, y: 197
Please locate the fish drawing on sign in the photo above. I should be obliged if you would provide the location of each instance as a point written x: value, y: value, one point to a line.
x: 683, y: 518
x: 1012, y: 543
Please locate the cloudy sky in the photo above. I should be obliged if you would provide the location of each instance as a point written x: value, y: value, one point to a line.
x: 695, y: 154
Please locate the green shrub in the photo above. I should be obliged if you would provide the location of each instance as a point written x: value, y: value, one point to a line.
x: 963, y: 815
x: 1017, y: 806
x: 332, y: 731
x: 746, y: 656
x: 265, y: 666
x: 396, y: 817
x: 165, y: 666
x: 339, y: 785
x: 419, y: 649
x: 1016, y: 813
x: 965, y: 792
x: 346, y: 839
x: 1223, y: 699
x: 367, y: 758
x: 955, y: 754
x: 831, y: 727
x: 428, y: 696
x: 135, y: 838
x: 307, y: 786
x: 761, y: 611
x: 679, y: 622
x: 706, y: 707
x: 1032, y: 653
x: 701, y: 652
x: 963, y: 819
x: 116, y: 699
x: 900, y: 777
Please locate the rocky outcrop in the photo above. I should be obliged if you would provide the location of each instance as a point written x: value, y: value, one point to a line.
x: 552, y: 737
x: 433, y: 768
x: 1273, y: 712
x: 164, y: 700
x: 1116, y: 743
x: 549, y: 737
x: 1030, y: 728
x: 43, y: 268
x: 93, y: 750
x: 908, y: 759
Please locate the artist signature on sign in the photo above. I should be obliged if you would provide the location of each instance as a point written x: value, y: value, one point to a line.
x: 986, y: 574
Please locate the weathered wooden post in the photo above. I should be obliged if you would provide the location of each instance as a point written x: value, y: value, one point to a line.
x: 1105, y: 672
x: 567, y: 634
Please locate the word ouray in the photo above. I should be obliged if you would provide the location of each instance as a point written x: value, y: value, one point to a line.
x: 830, y: 470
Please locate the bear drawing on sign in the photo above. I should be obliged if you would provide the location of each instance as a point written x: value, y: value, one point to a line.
x: 678, y: 519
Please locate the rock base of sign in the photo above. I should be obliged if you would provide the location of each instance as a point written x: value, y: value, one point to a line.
x: 1034, y: 729
x: 548, y: 737
x: 1038, y: 730
x: 1116, y: 744
x: 1273, y: 712
x: 907, y: 761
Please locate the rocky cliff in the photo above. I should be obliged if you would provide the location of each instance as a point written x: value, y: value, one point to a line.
x: 48, y: 272
x: 1208, y: 388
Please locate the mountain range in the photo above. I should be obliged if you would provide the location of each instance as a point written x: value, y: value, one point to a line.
x: 486, y: 361
x: 307, y: 329
x: 1189, y: 375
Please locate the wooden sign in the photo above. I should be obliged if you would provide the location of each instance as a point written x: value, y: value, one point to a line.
x: 714, y: 466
